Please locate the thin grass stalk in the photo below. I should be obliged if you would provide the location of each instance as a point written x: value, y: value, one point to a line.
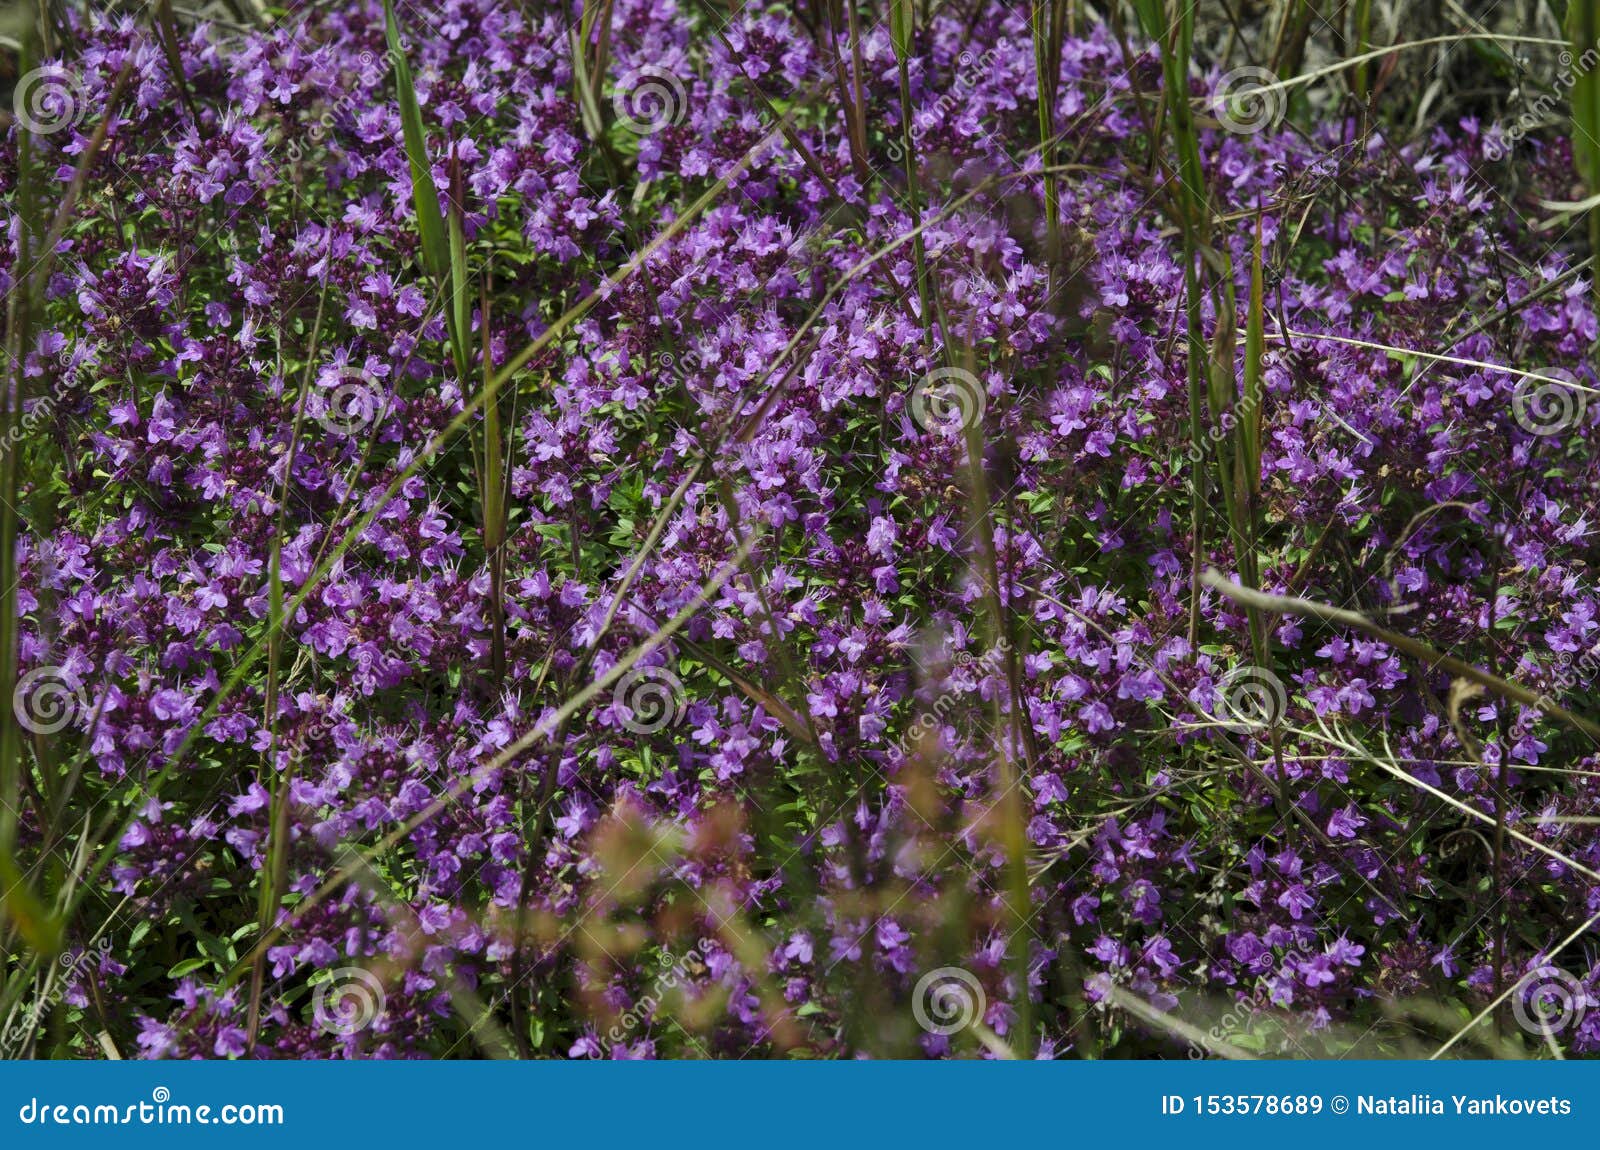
x: 443, y: 246
x: 598, y: 15
x: 20, y: 906
x: 903, y: 31
x: 166, y: 27
x: 1176, y: 37
x: 1415, y: 648
x: 457, y: 273
x: 594, y: 124
x: 494, y: 498
x: 460, y: 275
x: 1046, y: 39
x: 1241, y: 483
x: 1246, y: 435
x: 858, y: 92
x: 275, y: 872
x: 424, y: 194
x: 1013, y: 819
x: 849, y: 89
x: 1583, y: 33
x: 1290, y: 49
x: 1361, y: 28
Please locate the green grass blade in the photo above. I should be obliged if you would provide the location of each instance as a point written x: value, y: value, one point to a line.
x: 1247, y: 449
x: 902, y: 19
x: 1248, y: 429
x: 1361, y: 19
x: 460, y: 312
x: 424, y: 194
x: 1583, y: 31
x: 19, y: 906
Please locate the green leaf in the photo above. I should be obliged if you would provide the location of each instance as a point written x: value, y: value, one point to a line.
x: 1151, y: 18
x: 1583, y: 31
x: 460, y: 314
x: 902, y: 24
x: 424, y: 194
x: 37, y: 926
x: 1248, y: 428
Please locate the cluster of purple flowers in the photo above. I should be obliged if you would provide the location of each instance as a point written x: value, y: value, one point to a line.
x: 833, y: 680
